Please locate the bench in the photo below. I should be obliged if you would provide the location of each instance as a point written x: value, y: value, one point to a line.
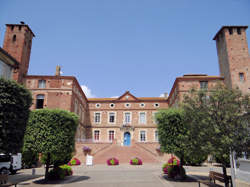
x: 4, y: 181
x: 215, y: 176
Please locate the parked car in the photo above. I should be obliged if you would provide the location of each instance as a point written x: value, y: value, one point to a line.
x: 10, y: 163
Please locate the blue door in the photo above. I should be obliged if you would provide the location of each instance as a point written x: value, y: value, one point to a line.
x: 126, y: 139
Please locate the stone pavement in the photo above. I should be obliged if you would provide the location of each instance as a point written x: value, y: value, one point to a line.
x: 147, y: 175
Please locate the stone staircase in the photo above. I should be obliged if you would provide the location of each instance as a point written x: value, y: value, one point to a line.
x: 124, y: 154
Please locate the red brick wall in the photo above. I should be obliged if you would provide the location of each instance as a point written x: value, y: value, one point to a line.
x: 20, y: 49
x: 234, y: 58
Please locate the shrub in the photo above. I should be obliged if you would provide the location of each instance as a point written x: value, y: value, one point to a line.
x: 112, y: 161
x: 74, y: 162
x: 60, y: 172
x: 135, y: 161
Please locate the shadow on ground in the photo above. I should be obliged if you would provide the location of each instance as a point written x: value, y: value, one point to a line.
x: 20, y: 178
x: 67, y: 180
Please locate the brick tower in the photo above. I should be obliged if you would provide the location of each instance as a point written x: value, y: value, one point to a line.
x: 18, y: 42
x: 234, y: 60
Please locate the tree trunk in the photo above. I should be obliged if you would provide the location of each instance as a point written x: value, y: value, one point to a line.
x: 225, y: 175
x: 181, y: 160
x: 47, y: 167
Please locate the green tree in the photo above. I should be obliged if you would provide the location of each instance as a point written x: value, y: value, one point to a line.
x: 15, y: 101
x: 51, y: 133
x: 172, y: 132
x: 220, y: 119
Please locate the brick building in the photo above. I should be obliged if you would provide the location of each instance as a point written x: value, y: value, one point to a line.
x: 127, y: 121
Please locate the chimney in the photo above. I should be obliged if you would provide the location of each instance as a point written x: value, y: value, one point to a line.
x: 58, y: 71
x: 165, y: 95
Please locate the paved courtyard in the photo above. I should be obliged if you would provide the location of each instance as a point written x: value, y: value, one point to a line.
x: 147, y: 175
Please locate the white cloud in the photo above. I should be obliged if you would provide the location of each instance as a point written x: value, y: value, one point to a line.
x: 162, y: 95
x: 87, y: 91
x: 114, y: 96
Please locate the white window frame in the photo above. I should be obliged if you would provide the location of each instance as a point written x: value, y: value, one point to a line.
x: 142, y: 105
x: 155, y: 136
x: 109, y: 116
x: 129, y: 105
x: 96, y: 105
x: 139, y: 117
x: 94, y: 135
x: 156, y: 104
x: 108, y: 134
x: 43, y: 83
x: 153, y: 117
x: 100, y: 117
x: 145, y: 135
x: 112, y: 104
x: 124, y: 117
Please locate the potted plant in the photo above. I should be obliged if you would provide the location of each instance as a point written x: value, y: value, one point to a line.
x: 135, y: 161
x: 86, y: 150
x: 112, y: 162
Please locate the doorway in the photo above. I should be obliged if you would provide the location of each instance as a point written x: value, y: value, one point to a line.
x: 127, y: 139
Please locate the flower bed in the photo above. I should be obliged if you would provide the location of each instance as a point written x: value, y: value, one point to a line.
x: 74, y: 162
x: 173, y: 169
x: 112, y: 162
x: 135, y: 161
x: 60, y: 172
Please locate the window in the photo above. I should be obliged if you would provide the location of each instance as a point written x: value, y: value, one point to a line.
x: 142, y: 118
x: 97, y: 117
x: 156, y: 105
x: 142, y: 105
x: 127, y: 117
x: 111, y: 135
x: 39, y: 101
x: 111, y: 117
x: 156, y: 136
x: 96, y: 135
x: 238, y: 31
x: 230, y: 31
x: 98, y: 105
x: 203, y: 84
x: 127, y: 105
x: 41, y: 83
x: 242, y: 77
x: 14, y: 38
x: 112, y: 105
x: 76, y: 106
x: 142, y: 136
x: 154, y: 117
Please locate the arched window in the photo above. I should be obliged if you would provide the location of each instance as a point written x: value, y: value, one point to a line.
x: 39, y: 101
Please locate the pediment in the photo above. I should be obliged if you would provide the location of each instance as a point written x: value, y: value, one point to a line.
x: 127, y: 96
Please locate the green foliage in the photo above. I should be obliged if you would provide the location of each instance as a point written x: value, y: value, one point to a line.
x: 172, y: 131
x: 29, y: 159
x: 52, y: 133
x: 15, y: 102
x: 195, y: 158
x: 219, y: 121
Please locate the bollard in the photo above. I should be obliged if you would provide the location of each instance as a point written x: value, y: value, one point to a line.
x: 33, y: 171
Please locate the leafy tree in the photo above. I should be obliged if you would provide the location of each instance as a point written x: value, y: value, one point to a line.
x: 52, y: 133
x: 220, y: 118
x: 172, y: 132
x: 15, y: 101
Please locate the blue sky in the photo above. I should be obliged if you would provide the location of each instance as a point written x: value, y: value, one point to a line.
x: 112, y: 46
